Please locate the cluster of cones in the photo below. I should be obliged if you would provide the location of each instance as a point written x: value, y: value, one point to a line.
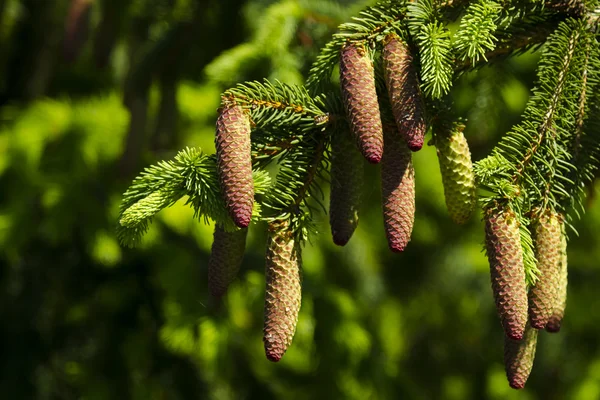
x: 283, y: 258
x: 369, y: 135
x: 523, y: 313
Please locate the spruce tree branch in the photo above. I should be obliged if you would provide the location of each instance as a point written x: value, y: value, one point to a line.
x: 582, y: 104
x: 508, y: 47
x: 548, y: 118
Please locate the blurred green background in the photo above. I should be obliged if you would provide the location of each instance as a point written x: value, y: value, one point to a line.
x: 93, y: 91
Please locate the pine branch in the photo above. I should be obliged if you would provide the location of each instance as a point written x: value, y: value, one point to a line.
x: 191, y: 173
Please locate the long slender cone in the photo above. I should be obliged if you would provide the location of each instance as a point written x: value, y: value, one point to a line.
x: 225, y: 259
x: 404, y: 91
x: 357, y: 78
x: 398, y: 190
x: 503, y: 243
x: 347, y: 179
x: 458, y: 177
x: 542, y: 296
x: 519, y: 356
x: 283, y: 291
x: 234, y: 163
x: 560, y: 302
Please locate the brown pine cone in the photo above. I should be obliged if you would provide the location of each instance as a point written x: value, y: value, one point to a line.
x: 234, y: 163
x: 542, y: 296
x: 357, y: 78
x: 503, y: 242
x: 398, y: 190
x: 346, y: 187
x: 283, y: 290
x: 225, y: 259
x: 519, y: 356
x: 405, y: 94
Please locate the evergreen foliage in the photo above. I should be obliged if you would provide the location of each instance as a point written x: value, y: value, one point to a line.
x: 540, y: 166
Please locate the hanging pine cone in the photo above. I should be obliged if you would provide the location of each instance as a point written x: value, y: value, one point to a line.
x: 283, y: 291
x: 225, y: 259
x: 542, y: 296
x: 234, y: 163
x: 346, y: 186
x: 560, y: 302
x: 357, y: 78
x: 458, y: 177
x: 405, y: 94
x: 503, y: 243
x: 398, y: 190
x: 519, y: 356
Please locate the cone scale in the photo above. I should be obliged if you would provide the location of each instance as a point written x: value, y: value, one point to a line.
x: 505, y: 255
x: 542, y: 296
x: 404, y: 91
x: 234, y: 163
x: 458, y: 177
x: 398, y: 190
x: 357, y: 78
x: 225, y: 259
x: 283, y: 291
x: 346, y: 186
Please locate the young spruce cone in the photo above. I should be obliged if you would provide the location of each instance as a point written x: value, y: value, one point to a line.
x: 283, y: 295
x: 398, y: 190
x: 542, y: 296
x: 458, y: 177
x: 560, y: 302
x: 234, y: 163
x: 404, y: 91
x: 346, y: 187
x: 519, y: 356
x: 225, y: 259
x: 503, y: 242
x: 357, y: 79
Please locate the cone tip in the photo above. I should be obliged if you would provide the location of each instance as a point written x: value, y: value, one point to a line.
x: 340, y: 240
x: 553, y: 327
x: 373, y: 158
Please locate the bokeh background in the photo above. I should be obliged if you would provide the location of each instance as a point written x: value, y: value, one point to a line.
x: 93, y: 91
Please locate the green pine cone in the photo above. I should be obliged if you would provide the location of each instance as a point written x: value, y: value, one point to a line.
x: 519, y: 356
x: 225, y: 259
x: 357, y: 78
x: 458, y: 177
x: 403, y: 88
x: 398, y: 190
x: 346, y: 187
x: 505, y: 255
x: 560, y: 302
x: 542, y: 296
x: 234, y: 163
x: 283, y: 291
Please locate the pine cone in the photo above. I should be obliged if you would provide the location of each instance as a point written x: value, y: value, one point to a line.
x: 457, y: 173
x: 357, y: 79
x: 283, y: 291
x: 542, y: 296
x: 503, y: 242
x: 519, y: 356
x: 560, y: 302
x: 405, y: 94
x: 398, y: 190
x: 234, y: 163
x: 225, y: 259
x: 346, y: 186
